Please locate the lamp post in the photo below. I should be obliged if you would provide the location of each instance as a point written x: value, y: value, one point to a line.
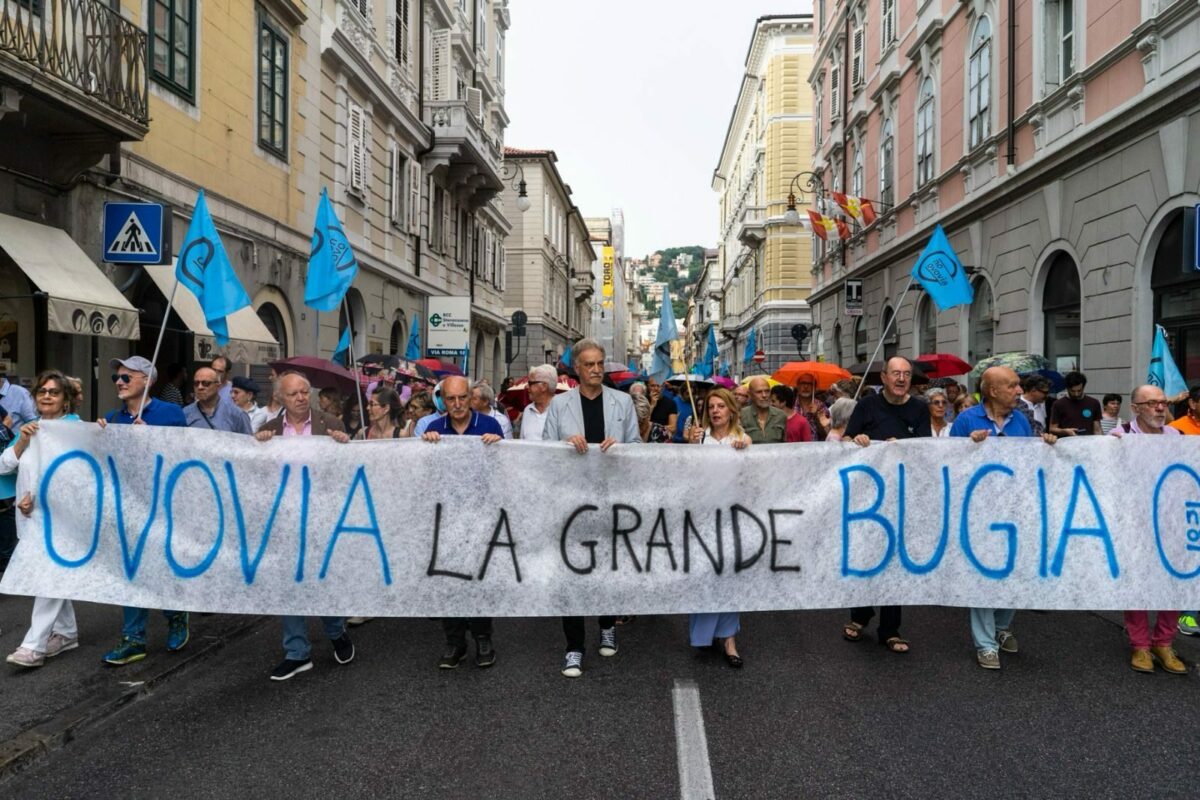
x: 519, y: 318
x: 815, y: 187
x: 514, y: 176
x: 737, y: 267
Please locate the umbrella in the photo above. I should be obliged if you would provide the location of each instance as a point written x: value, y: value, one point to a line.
x: 724, y: 382
x: 770, y: 381
x: 622, y: 376
x: 1020, y: 363
x: 517, y: 395
x: 321, y: 372
x: 871, y: 377
x: 439, y: 368
x: 615, y: 366
x: 1057, y: 382
x: 826, y: 374
x: 943, y: 365
x: 693, y: 379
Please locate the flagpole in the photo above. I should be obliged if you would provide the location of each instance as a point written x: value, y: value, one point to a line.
x: 362, y: 417
x: 883, y: 338
x: 162, y: 329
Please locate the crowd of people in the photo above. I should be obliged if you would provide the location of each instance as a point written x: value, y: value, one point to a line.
x: 591, y: 413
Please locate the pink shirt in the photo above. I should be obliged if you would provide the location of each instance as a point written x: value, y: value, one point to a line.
x: 303, y: 430
x: 1133, y: 428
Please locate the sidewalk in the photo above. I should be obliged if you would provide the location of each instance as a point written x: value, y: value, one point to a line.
x: 41, y: 709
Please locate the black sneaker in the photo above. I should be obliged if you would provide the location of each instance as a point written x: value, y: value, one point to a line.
x: 343, y: 649
x: 289, y: 667
x: 485, y: 654
x: 454, y: 655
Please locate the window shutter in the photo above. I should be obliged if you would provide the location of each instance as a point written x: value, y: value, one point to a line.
x: 414, y: 198
x: 503, y: 268
x: 356, y: 149
x: 443, y: 79
x: 835, y: 92
x: 856, y: 64
x: 889, y: 22
x: 475, y: 103
x: 446, y: 218
x: 403, y: 43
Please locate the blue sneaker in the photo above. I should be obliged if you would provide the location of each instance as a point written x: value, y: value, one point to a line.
x: 127, y: 652
x: 177, y: 632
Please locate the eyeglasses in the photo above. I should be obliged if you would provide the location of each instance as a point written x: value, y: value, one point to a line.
x: 373, y: 404
x: 1152, y: 403
x: 49, y: 391
x: 203, y: 384
x: 937, y: 402
x: 124, y: 377
x: 898, y: 374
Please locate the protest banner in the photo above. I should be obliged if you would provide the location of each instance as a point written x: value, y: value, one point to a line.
x: 200, y: 520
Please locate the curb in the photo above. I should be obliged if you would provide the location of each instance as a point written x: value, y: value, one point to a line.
x: 33, y: 744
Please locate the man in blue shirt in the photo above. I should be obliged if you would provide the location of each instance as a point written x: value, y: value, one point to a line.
x: 996, y: 415
x: 131, y: 377
x: 461, y: 420
x: 17, y: 401
x: 212, y: 411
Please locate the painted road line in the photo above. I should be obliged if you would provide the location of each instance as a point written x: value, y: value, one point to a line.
x: 691, y: 744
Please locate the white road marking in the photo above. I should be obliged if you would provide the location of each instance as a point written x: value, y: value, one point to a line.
x: 691, y: 744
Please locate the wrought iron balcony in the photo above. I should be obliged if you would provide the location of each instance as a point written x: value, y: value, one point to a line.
x: 81, y: 54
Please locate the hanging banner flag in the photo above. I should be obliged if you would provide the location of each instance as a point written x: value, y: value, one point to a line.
x: 822, y: 226
x: 210, y: 521
x: 858, y: 208
x: 609, y: 261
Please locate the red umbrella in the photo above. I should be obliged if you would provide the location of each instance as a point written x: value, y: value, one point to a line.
x: 321, y: 372
x: 516, y: 397
x: 440, y: 368
x: 943, y: 365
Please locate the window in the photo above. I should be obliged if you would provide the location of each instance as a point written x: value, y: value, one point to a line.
x: 1066, y: 27
x: 172, y: 44
x: 414, y: 197
x: 856, y: 179
x: 927, y: 327
x: 437, y: 218
x: 356, y: 149
x: 856, y: 61
x: 835, y: 89
x: 889, y: 334
x: 397, y: 173
x: 860, y: 339
x: 272, y: 88
x: 362, y: 7
x: 887, y: 171
x: 1060, y: 310
x: 818, y: 102
x: 979, y: 72
x: 888, y: 24
x: 1059, y: 27
x: 499, y: 56
x: 982, y: 324
x: 482, y: 34
x: 837, y: 341
x: 925, y: 132
x: 403, y: 45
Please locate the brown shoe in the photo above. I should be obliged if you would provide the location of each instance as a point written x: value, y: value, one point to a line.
x: 1141, y: 661
x: 1169, y: 661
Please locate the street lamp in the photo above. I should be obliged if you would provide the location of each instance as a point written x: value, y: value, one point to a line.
x: 813, y: 181
x: 514, y: 176
x: 737, y: 267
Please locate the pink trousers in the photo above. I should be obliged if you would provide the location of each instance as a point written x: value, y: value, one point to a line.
x: 1137, y: 625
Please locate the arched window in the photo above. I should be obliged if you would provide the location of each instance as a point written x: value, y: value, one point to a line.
x: 860, y: 339
x: 478, y: 357
x: 1176, y: 301
x: 979, y: 75
x: 856, y: 180
x: 497, y: 364
x: 399, y: 338
x: 926, y: 327
x: 887, y: 162
x: 357, y: 322
x: 887, y: 332
x: 926, y: 133
x: 1060, y: 310
x: 273, y: 319
x: 982, y: 327
x: 837, y: 343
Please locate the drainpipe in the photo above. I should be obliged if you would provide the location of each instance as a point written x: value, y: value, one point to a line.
x: 420, y: 156
x: 1011, y: 155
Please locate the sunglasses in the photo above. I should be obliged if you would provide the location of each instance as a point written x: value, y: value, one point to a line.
x: 203, y: 384
x: 123, y: 378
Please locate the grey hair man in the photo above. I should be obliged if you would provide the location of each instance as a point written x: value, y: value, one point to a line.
x: 591, y: 413
x: 541, y: 384
x: 483, y: 400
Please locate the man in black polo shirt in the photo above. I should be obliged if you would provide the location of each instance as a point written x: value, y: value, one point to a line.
x: 1076, y: 414
x: 891, y: 414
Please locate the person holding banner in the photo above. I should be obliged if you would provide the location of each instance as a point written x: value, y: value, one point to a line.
x: 591, y: 413
x: 721, y: 427
x: 52, y: 628
x: 132, y: 376
x: 886, y: 416
x: 1189, y: 424
x: 211, y: 410
x: 463, y: 420
x: 996, y: 415
x: 299, y: 419
x: 1150, y: 405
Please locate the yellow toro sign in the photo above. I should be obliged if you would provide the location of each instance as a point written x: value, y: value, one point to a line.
x: 608, y: 272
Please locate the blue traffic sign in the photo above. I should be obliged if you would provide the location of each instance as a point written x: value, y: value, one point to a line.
x: 133, y: 233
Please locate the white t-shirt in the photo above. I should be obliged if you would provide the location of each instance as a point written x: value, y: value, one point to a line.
x: 728, y: 440
x: 533, y: 421
x: 505, y: 422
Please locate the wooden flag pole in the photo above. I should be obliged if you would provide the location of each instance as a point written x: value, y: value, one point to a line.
x: 162, y: 329
x: 882, y: 338
x: 358, y: 389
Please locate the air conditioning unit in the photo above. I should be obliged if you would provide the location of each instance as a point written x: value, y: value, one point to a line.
x: 475, y: 103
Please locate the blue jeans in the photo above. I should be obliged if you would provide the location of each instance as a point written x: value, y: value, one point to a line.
x: 984, y: 624
x: 134, y: 626
x: 295, y: 635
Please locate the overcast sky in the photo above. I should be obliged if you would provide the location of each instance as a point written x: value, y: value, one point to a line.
x: 634, y: 96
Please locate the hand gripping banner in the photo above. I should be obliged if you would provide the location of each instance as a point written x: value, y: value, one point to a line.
x: 209, y: 521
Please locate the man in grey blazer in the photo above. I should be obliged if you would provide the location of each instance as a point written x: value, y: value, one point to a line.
x: 591, y: 413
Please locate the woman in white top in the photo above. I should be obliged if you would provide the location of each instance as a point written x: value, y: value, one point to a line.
x: 938, y: 403
x: 721, y: 427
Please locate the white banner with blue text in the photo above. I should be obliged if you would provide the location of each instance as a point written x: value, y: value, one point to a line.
x: 208, y: 521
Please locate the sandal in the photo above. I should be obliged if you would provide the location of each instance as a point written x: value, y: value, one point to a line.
x: 896, y: 644
x: 852, y: 632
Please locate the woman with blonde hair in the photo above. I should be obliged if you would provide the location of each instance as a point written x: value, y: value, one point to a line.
x: 721, y: 427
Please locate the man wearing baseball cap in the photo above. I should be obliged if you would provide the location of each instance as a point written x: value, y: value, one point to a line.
x: 131, y: 376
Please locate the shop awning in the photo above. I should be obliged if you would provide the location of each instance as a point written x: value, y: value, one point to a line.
x: 80, y: 298
x: 249, y: 340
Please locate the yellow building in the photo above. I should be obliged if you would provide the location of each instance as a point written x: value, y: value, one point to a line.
x: 765, y: 264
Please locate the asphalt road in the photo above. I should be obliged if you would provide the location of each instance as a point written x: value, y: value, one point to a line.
x: 809, y: 716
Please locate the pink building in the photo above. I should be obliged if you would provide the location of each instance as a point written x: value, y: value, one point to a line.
x: 1052, y: 141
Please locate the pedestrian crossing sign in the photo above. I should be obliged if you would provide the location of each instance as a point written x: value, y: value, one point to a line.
x: 133, y: 233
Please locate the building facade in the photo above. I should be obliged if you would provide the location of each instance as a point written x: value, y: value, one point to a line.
x: 1057, y: 161
x: 763, y: 261
x: 549, y: 261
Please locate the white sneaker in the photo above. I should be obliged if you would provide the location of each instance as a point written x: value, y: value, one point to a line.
x: 24, y: 657
x: 57, y: 643
x: 608, y: 642
x: 573, y: 664
x: 354, y: 622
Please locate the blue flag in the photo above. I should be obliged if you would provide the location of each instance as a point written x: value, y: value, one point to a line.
x: 1163, y: 372
x: 668, y: 332
x: 341, y: 355
x: 633, y: 365
x: 751, y: 345
x: 331, y: 265
x: 566, y: 359
x: 413, y: 351
x: 205, y: 270
x: 942, y: 275
x: 708, y: 364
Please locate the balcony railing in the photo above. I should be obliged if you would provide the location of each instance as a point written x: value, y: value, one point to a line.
x: 85, y: 45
